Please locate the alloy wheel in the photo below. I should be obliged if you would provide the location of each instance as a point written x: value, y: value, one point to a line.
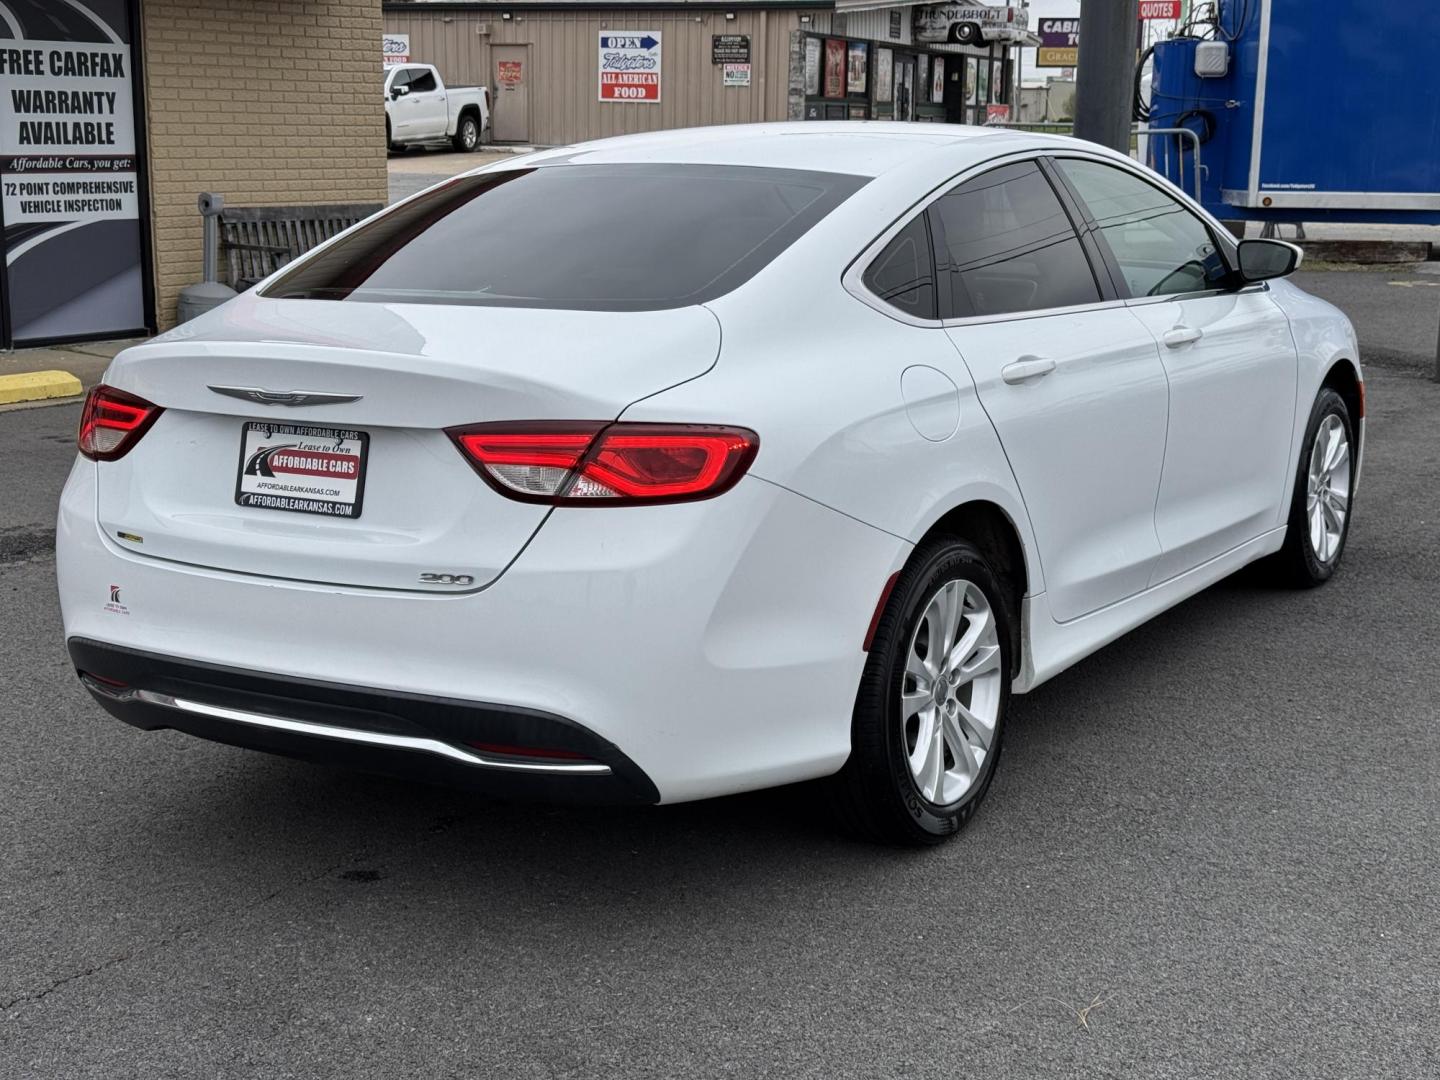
x: 1327, y: 495
x: 951, y: 691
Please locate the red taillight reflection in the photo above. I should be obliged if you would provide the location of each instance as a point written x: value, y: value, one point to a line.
x: 508, y: 750
x: 112, y: 422
x: 591, y: 464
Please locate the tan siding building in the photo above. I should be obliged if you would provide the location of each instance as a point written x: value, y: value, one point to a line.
x: 541, y: 62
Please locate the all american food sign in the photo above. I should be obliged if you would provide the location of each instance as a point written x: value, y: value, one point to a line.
x: 630, y: 66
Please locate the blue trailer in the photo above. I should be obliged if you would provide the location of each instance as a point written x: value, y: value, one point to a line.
x: 1306, y: 111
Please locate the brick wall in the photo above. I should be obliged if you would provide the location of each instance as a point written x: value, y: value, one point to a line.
x: 269, y: 102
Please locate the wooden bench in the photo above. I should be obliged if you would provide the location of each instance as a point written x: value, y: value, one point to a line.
x: 258, y: 240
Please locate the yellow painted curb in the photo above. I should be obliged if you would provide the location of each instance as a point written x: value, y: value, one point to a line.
x: 37, y: 385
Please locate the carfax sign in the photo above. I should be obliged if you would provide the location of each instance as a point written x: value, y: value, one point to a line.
x: 630, y: 66
x: 69, y: 176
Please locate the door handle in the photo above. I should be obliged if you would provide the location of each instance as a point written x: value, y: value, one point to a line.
x: 1028, y: 367
x: 1181, y: 335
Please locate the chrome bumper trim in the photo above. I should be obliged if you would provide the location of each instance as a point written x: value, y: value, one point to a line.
x: 344, y: 734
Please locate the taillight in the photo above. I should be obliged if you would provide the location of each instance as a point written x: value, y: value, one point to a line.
x: 596, y: 464
x: 112, y: 422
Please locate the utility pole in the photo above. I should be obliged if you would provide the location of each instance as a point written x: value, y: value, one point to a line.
x: 1105, y: 81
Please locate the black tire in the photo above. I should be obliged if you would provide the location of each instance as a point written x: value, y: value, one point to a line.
x: 1297, y: 564
x: 965, y: 34
x: 467, y: 134
x: 875, y: 794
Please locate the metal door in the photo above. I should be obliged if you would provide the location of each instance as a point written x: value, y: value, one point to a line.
x: 511, y: 119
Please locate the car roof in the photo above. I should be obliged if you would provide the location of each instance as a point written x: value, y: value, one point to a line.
x: 857, y: 147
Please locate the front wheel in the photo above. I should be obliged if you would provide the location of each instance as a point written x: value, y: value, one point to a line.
x: 1320, y: 509
x: 467, y: 134
x: 929, y: 717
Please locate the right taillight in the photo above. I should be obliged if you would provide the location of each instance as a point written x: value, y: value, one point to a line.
x: 596, y: 464
x: 112, y: 422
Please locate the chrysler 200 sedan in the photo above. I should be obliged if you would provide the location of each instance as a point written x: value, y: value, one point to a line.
x: 683, y: 464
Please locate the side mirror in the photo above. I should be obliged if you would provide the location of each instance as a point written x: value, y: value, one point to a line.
x: 1261, y: 260
x: 398, y: 92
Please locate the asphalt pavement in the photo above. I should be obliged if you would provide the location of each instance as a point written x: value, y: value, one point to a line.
x: 1210, y: 852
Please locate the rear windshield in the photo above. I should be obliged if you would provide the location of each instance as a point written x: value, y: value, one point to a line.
x: 594, y: 237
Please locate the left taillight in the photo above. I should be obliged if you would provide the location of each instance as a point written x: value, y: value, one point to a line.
x: 112, y: 422
x: 597, y: 464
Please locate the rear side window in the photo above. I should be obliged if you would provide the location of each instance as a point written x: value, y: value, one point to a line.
x: 1160, y: 247
x: 1007, y: 246
x: 903, y: 275
x: 587, y: 237
x: 422, y: 81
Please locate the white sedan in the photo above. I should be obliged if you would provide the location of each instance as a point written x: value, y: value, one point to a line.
x: 689, y: 463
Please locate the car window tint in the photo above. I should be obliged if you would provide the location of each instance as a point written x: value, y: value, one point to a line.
x: 422, y: 81
x: 1009, y: 246
x: 632, y: 237
x: 903, y: 275
x: 1160, y: 246
x: 402, y: 78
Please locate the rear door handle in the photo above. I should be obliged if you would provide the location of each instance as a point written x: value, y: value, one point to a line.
x: 1181, y: 335
x: 1030, y: 367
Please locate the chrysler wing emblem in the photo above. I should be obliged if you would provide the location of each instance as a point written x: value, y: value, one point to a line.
x: 284, y: 397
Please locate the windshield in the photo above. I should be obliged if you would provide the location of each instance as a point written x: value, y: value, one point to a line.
x: 590, y: 237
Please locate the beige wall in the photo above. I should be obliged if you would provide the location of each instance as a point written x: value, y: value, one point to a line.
x: 269, y: 102
x: 563, y: 61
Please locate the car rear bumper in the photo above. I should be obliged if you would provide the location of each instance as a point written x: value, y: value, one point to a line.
x: 716, y: 645
x: 499, y: 749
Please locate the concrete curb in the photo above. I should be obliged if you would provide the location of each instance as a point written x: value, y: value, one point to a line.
x: 1370, y: 252
x: 37, y: 386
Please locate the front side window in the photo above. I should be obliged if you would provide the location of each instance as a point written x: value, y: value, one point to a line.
x: 903, y: 275
x: 1008, y: 246
x: 400, y: 78
x: 1159, y: 246
x: 581, y: 237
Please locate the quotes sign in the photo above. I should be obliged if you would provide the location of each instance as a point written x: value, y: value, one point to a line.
x: 70, y: 183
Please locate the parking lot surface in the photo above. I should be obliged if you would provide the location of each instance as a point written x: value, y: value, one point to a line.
x: 1210, y: 852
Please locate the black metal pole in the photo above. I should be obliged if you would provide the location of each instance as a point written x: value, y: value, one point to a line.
x: 1105, y: 79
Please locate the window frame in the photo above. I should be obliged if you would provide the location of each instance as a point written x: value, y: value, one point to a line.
x: 422, y: 73
x: 1221, y: 239
x: 945, y: 297
x: 851, y: 277
x: 929, y: 248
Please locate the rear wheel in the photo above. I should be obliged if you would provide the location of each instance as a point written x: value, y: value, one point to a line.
x: 1319, y: 521
x: 467, y: 134
x: 929, y: 717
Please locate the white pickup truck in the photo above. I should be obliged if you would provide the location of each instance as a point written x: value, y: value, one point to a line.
x: 419, y: 109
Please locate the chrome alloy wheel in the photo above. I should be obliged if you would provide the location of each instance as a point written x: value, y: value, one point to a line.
x: 470, y: 134
x: 1327, y: 493
x: 950, y: 693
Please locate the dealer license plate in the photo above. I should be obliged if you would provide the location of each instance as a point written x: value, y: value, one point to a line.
x: 303, y: 469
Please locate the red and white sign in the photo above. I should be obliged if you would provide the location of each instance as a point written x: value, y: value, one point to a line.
x: 1159, y: 9
x: 997, y: 114
x: 630, y: 66
x: 303, y: 469
x: 510, y: 73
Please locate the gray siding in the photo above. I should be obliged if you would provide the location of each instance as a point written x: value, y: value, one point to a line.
x: 564, y: 105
